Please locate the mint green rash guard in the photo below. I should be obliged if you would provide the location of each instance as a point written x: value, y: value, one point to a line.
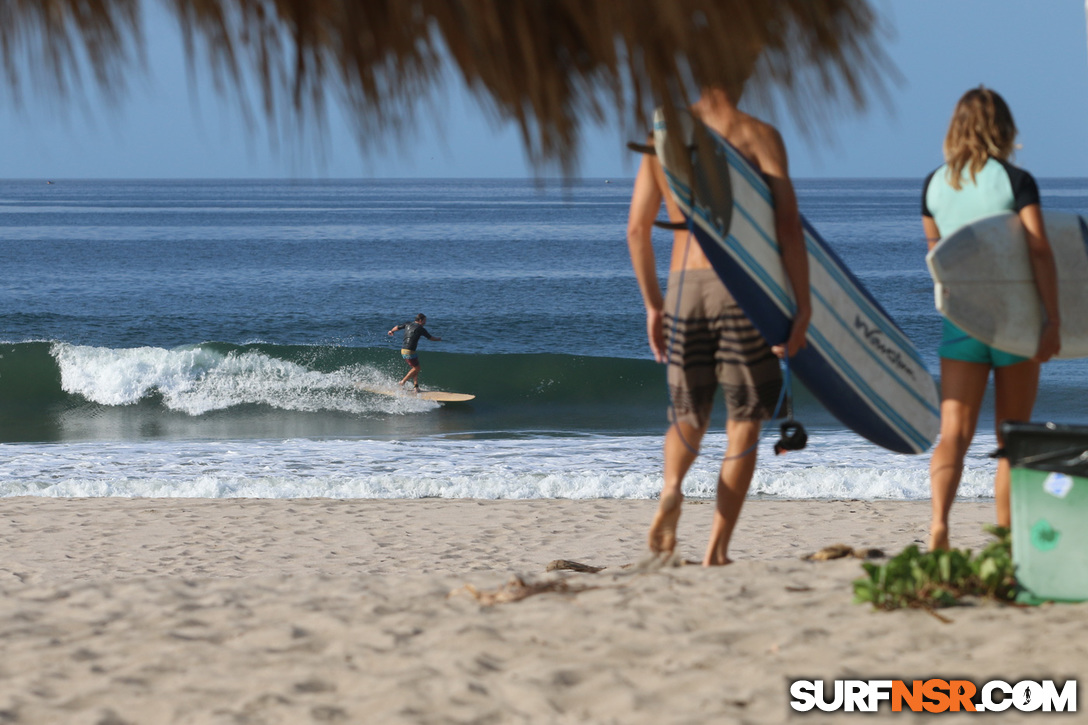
x: 998, y: 187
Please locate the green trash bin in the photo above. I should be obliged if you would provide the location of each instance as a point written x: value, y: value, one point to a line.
x: 1049, y: 499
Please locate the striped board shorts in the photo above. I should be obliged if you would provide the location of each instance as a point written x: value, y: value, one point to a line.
x: 711, y: 343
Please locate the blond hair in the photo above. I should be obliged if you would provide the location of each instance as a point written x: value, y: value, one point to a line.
x: 981, y: 128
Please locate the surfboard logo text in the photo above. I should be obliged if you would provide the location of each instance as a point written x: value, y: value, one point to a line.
x: 876, y: 340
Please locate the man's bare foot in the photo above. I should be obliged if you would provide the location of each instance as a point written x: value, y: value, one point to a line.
x: 663, y: 529
x: 938, y: 536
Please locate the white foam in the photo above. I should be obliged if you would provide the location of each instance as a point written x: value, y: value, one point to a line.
x: 836, y: 465
x: 197, y: 380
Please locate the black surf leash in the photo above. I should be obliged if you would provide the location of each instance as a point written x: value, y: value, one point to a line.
x: 793, y: 435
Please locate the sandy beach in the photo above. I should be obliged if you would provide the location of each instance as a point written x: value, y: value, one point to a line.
x: 357, y: 611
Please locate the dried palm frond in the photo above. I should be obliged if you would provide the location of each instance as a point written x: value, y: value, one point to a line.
x: 48, y: 40
x: 550, y: 66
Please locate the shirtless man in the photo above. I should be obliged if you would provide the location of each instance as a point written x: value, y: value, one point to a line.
x: 412, y: 332
x: 714, y: 342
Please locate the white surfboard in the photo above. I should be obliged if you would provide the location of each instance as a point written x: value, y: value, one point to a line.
x: 857, y: 363
x: 437, y: 396
x: 984, y: 284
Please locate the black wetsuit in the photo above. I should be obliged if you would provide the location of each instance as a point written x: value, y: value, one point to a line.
x: 412, y: 333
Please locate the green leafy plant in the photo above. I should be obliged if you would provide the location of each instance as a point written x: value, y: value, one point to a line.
x: 940, y: 578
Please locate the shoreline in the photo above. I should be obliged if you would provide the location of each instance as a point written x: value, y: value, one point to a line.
x: 321, y: 610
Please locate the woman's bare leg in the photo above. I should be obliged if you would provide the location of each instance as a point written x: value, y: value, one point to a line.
x: 1014, y: 396
x: 962, y: 387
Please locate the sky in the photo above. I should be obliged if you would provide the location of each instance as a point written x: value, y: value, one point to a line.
x: 171, y: 124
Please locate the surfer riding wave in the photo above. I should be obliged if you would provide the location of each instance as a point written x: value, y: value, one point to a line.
x: 412, y: 332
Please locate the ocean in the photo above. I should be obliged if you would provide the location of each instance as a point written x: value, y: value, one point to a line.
x: 208, y: 339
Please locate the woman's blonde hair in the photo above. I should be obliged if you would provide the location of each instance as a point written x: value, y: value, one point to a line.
x: 981, y: 127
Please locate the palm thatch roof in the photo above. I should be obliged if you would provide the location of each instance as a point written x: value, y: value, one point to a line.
x: 550, y: 66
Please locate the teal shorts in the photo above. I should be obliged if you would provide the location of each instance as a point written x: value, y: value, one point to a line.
x: 958, y: 345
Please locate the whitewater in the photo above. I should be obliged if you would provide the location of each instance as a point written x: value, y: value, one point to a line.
x: 835, y: 465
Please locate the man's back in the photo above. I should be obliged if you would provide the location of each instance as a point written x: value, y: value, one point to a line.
x: 412, y: 332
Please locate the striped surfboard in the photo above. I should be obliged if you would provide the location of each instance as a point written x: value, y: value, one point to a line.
x: 857, y: 363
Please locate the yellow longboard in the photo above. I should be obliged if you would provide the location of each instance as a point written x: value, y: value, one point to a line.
x: 438, y: 396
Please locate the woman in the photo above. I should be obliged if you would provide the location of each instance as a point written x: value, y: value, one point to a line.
x: 976, y: 181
